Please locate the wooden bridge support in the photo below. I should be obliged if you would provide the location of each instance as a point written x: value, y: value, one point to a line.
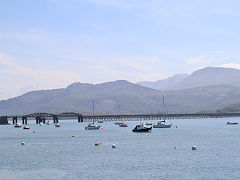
x: 24, y: 120
x: 80, y: 118
x: 14, y: 119
x: 38, y: 120
x: 55, y: 119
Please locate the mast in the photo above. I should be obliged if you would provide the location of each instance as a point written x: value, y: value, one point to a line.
x: 93, y: 111
x: 164, y: 110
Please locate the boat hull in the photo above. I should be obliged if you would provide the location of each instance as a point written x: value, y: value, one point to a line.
x: 118, y: 123
x: 92, y: 128
x: 232, y: 123
x: 123, y: 125
x: 162, y: 126
x: 142, y: 130
x: 17, y: 126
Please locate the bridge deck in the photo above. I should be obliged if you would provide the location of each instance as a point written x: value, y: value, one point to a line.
x: 129, y: 117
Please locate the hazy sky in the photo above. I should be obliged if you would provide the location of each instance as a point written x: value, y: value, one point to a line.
x: 48, y: 44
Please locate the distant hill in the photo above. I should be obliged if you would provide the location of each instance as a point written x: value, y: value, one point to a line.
x: 165, y: 83
x: 233, y: 108
x: 210, y: 76
x: 120, y: 97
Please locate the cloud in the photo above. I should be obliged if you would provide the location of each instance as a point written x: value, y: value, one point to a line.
x: 17, y: 79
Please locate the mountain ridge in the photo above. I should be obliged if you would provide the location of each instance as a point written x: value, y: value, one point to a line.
x: 120, y: 97
x: 203, y: 77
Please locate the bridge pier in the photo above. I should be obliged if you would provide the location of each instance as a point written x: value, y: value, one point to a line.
x: 44, y: 120
x: 37, y: 120
x: 24, y: 120
x: 80, y: 118
x: 55, y: 119
x: 14, y: 119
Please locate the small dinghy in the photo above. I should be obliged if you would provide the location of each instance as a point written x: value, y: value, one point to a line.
x: 92, y: 127
x: 57, y: 125
x: 232, y: 123
x: 123, y: 125
x: 100, y: 121
x: 26, y: 127
x: 118, y: 122
x: 17, y: 125
x: 142, y: 128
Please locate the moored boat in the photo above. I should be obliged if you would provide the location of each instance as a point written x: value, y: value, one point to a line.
x: 26, y: 127
x: 123, y: 125
x: 17, y: 125
x: 232, y: 123
x: 57, y: 125
x: 100, y: 121
x: 161, y: 124
x: 118, y: 122
x: 142, y: 128
x: 149, y: 124
x: 92, y: 127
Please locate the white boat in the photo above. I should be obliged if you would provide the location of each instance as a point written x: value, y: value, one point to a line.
x: 26, y: 127
x: 17, y: 125
x: 142, y: 128
x: 162, y: 123
x: 57, y: 125
x: 100, y: 121
x: 92, y: 126
x: 149, y: 124
x: 118, y: 122
x: 41, y: 123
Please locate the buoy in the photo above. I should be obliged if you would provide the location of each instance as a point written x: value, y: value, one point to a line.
x: 114, y: 146
x: 22, y: 143
x: 100, y: 142
x: 176, y: 126
x: 175, y: 147
x: 102, y: 128
x: 194, y: 148
x: 73, y: 136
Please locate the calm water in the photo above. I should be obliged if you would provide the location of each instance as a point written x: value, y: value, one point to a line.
x: 52, y: 153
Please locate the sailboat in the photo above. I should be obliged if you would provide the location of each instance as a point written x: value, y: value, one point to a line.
x: 92, y: 126
x: 162, y: 123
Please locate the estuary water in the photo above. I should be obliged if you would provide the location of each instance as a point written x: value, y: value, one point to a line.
x: 52, y: 153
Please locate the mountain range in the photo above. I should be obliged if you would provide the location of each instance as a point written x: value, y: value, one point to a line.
x: 205, y: 89
x: 210, y: 76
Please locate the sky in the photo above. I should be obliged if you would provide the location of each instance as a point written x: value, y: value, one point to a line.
x: 49, y: 44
